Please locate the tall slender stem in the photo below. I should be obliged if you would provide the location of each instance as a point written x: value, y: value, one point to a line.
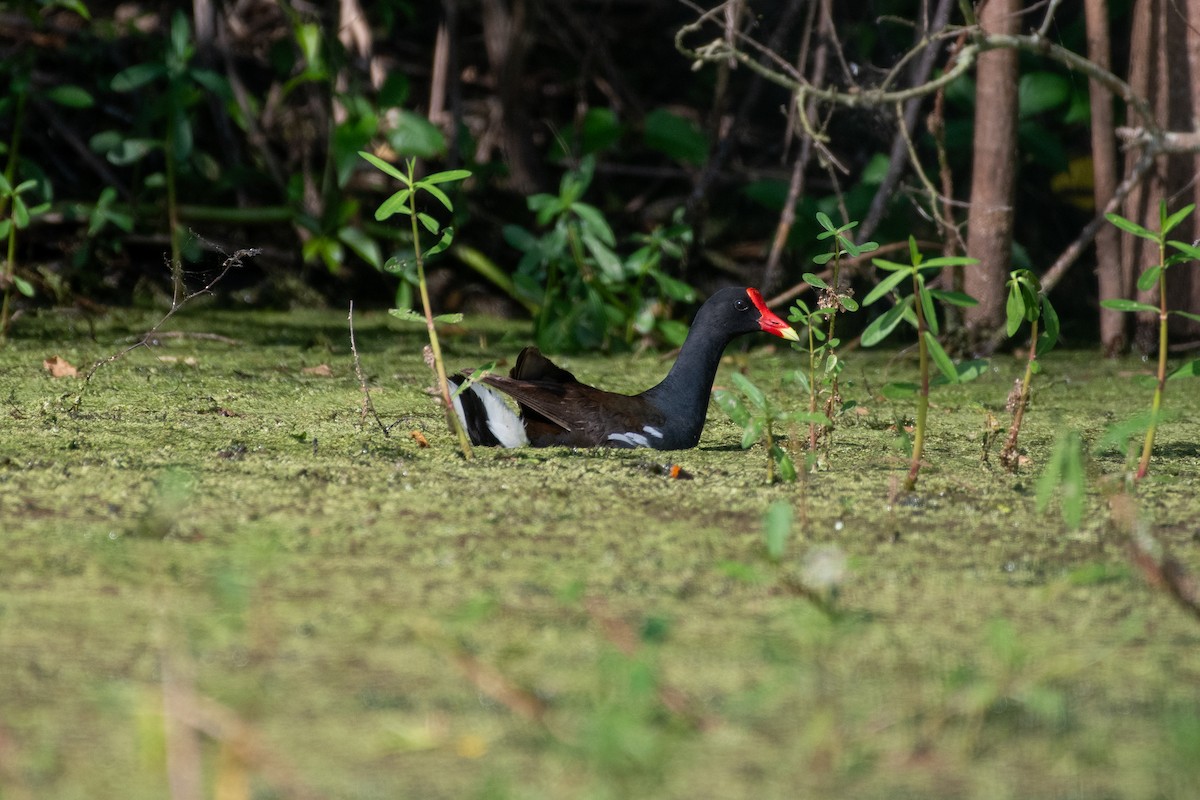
x: 10, y: 172
x: 1160, y: 387
x: 1008, y: 454
x: 914, y: 468
x: 439, y: 366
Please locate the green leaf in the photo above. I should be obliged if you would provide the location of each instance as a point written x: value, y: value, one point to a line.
x: 428, y: 223
x: 814, y: 280
x: 407, y: 315
x: 954, y: 298
x: 609, y: 264
x: 595, y: 223
x: 733, y: 407
x: 447, y: 176
x: 1014, y: 309
x: 1039, y: 92
x: 443, y: 243
x: 384, y: 166
x: 414, y: 135
x: 396, y: 204
x: 848, y: 302
x: 899, y: 390
x: 753, y: 432
x: 931, y: 320
x: 884, y: 324
x: 1049, y: 336
x: 1186, y: 315
x: 448, y: 319
x: 1179, y: 216
x: 70, y: 96
x: 6, y: 226
x: 674, y: 288
x: 363, y: 245
x: 943, y: 361
x: 1149, y: 278
x: 436, y: 193
x: 783, y: 464
x: 1188, y: 370
x: 23, y: 286
x: 884, y: 286
x: 1191, y: 251
x: 825, y: 222
x: 1064, y: 473
x: 137, y: 76
x: 891, y: 266
x: 1132, y: 227
x: 949, y: 261
x: 823, y: 258
x: 777, y: 527
x: 677, y: 137
x: 128, y: 151
x: 1121, y: 304
x: 752, y: 392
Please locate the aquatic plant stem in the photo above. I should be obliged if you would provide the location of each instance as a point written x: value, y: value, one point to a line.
x: 10, y: 171
x: 1160, y: 387
x: 1008, y: 454
x: 439, y: 366
x: 910, y: 482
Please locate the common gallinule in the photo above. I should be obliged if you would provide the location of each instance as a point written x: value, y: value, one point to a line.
x: 556, y: 409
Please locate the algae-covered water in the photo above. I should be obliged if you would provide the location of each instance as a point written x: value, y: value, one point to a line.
x: 217, y: 579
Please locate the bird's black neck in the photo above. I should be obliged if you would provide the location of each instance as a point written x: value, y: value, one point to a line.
x: 683, y: 395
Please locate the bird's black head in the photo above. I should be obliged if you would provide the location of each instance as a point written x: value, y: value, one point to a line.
x: 737, y: 310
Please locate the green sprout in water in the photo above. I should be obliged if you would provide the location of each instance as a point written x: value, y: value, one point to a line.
x: 1027, y: 303
x: 750, y: 409
x: 1156, y: 276
x: 918, y: 311
x: 824, y: 366
x: 403, y: 202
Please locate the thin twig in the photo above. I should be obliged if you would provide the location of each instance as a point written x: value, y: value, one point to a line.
x: 368, y: 406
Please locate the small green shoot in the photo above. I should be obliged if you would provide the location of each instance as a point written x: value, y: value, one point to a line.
x: 749, y: 408
x: 1156, y: 276
x: 1027, y: 303
x: 777, y: 527
x: 917, y: 310
x: 824, y: 366
x: 404, y: 202
x: 1064, y: 474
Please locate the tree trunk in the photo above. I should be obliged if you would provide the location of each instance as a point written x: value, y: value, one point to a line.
x: 1112, y: 281
x: 993, y: 174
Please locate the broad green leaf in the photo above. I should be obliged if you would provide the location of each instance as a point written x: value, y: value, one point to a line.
x: 674, y: 288
x: 6, y: 226
x: 70, y: 96
x: 1121, y: 304
x: 1148, y: 278
x: 1132, y: 227
x: 884, y: 287
x: 128, y: 151
x: 943, y: 361
x: 137, y: 76
x: 822, y: 259
x: 1038, y: 92
x: 595, y: 222
x: 1188, y: 370
x: 970, y: 370
x: 414, y: 135
x: 814, y: 280
x: 677, y: 137
x: 23, y: 286
x: 672, y: 331
x: 747, y: 387
x: 884, y: 324
x: 753, y: 432
x: 825, y: 222
x: 608, y: 261
x: 733, y: 407
x: 363, y: 245
x: 20, y: 212
x: 384, y: 166
x: 849, y: 302
x: 448, y: 319
x: 954, y: 298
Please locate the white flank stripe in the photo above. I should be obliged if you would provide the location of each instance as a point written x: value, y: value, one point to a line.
x: 631, y: 439
x: 655, y: 432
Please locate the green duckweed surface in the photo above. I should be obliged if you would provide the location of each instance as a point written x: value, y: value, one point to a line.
x: 214, y: 569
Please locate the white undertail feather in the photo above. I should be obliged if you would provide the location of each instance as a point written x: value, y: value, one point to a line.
x: 502, y: 421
